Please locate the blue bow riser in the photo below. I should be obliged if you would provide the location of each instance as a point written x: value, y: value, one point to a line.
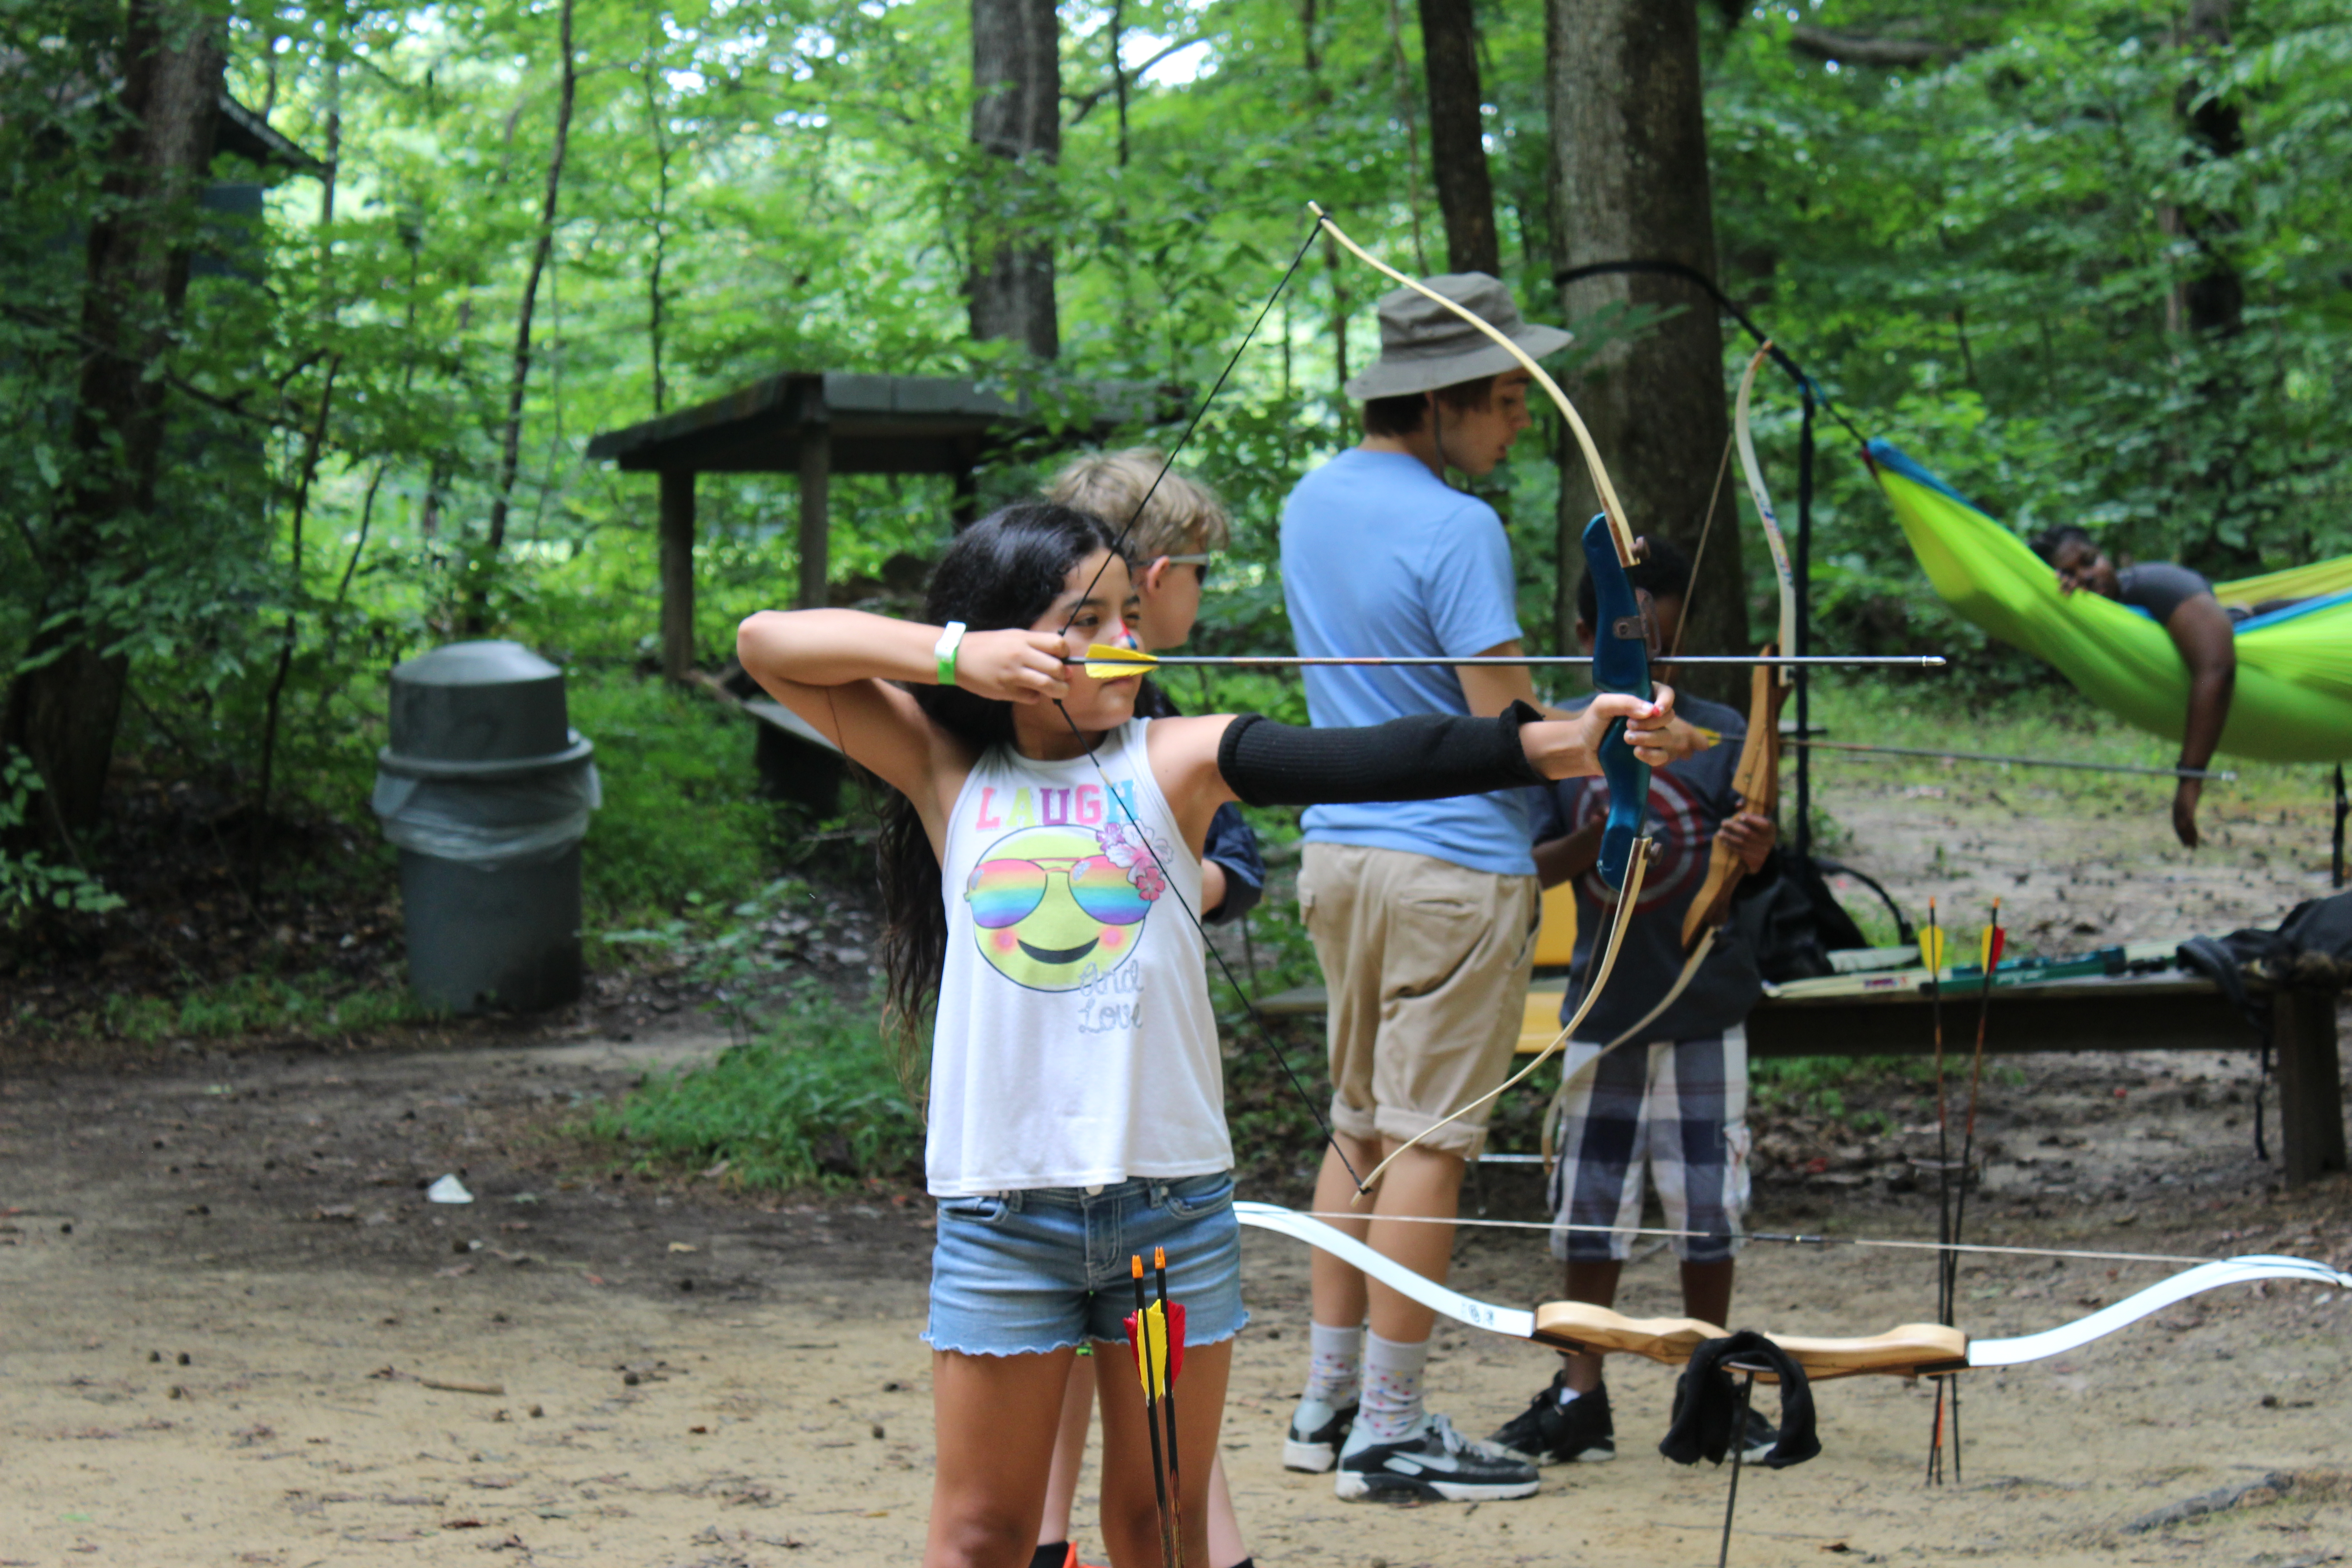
x: 1621, y: 662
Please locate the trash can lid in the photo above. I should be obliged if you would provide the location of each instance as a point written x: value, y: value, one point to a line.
x: 492, y: 661
x: 483, y: 701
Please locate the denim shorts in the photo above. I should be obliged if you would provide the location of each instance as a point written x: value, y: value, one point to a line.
x: 1020, y: 1273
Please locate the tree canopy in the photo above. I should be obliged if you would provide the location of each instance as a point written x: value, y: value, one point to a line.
x: 1993, y: 234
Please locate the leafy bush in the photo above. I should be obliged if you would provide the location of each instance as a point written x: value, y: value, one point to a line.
x: 814, y: 1102
x: 682, y: 814
x: 27, y: 881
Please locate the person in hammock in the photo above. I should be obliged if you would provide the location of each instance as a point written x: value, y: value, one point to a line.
x: 1038, y: 837
x: 2182, y: 602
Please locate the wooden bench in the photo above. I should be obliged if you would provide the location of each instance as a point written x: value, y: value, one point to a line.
x: 2172, y: 1011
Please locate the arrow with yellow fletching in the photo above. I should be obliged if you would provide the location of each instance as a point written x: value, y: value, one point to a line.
x: 1103, y: 662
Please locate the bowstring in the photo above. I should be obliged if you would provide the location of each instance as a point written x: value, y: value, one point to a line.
x: 1248, y: 1006
x: 1199, y: 414
x: 1117, y: 546
x: 1792, y: 1239
x: 1698, y: 556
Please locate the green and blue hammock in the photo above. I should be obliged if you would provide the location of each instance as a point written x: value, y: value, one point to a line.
x: 2294, y: 697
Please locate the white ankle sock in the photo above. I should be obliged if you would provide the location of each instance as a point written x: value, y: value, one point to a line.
x: 1391, y: 1408
x: 1335, y: 1363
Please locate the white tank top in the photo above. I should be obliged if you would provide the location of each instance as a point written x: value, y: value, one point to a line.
x: 1076, y: 1044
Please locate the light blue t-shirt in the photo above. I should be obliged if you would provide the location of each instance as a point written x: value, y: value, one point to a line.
x: 1380, y: 557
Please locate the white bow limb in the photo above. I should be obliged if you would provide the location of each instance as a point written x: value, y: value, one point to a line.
x: 1519, y: 1324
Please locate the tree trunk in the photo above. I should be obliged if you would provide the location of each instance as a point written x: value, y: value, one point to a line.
x: 1457, y: 145
x: 2213, y: 302
x: 1016, y: 79
x: 1628, y: 156
x: 657, y: 128
x: 2211, y: 305
x: 62, y: 711
x: 1318, y: 96
x: 314, y: 444
x: 1405, y: 118
x: 510, y: 453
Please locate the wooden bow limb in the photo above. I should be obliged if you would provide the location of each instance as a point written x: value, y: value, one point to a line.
x: 1754, y: 472
x: 1623, y: 917
x: 1906, y: 1350
x: 1620, y: 532
x: 1757, y: 779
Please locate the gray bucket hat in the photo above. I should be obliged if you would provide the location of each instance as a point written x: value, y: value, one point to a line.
x: 1424, y: 346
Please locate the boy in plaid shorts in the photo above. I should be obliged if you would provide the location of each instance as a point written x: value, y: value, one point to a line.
x: 1674, y: 1090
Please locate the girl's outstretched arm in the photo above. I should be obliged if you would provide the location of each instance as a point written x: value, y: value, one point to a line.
x: 1199, y: 764
x: 837, y: 669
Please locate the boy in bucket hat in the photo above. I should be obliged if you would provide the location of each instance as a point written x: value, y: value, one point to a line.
x: 1422, y: 914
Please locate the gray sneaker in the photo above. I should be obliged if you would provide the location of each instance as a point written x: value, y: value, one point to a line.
x: 1434, y: 1464
x: 1317, y: 1430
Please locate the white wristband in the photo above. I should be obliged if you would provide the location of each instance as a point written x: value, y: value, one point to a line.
x: 944, y: 651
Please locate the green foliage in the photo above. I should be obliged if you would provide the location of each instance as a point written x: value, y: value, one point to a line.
x: 813, y: 1102
x: 682, y: 825
x: 1993, y: 262
x: 1989, y: 258
x: 319, y: 1003
x: 27, y: 881
x: 1816, y: 1085
x: 722, y: 950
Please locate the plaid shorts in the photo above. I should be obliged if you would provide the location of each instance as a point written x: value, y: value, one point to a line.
x: 1680, y: 1104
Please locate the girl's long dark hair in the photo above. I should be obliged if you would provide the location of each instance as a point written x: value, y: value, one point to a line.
x: 1004, y: 570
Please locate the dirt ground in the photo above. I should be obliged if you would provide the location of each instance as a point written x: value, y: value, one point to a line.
x: 237, y: 1332
x: 234, y: 1330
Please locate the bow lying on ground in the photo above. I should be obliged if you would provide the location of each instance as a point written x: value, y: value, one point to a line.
x: 1908, y: 1348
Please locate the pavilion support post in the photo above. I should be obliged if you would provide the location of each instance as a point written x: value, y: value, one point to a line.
x: 965, y: 509
x: 816, y: 478
x: 678, y: 573
x: 2310, y: 1084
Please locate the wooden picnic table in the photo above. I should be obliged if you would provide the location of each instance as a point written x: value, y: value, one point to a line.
x: 2170, y: 1011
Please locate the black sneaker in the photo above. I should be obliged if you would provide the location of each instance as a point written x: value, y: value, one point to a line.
x: 1435, y: 1464
x: 1762, y: 1437
x: 1549, y: 1433
x: 1317, y: 1430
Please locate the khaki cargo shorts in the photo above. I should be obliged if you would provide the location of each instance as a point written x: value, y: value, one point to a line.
x: 1427, y: 964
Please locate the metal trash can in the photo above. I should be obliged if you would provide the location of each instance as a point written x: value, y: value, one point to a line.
x: 486, y: 789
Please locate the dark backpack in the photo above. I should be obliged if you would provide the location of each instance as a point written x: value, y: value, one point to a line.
x: 1793, y: 922
x: 2313, y: 946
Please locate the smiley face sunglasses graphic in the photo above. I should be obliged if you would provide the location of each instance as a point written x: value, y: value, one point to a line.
x: 1006, y: 891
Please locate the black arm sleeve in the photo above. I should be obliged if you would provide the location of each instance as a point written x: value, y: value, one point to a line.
x: 1426, y: 757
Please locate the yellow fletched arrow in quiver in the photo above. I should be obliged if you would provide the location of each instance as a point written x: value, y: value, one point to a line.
x: 1152, y: 1357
